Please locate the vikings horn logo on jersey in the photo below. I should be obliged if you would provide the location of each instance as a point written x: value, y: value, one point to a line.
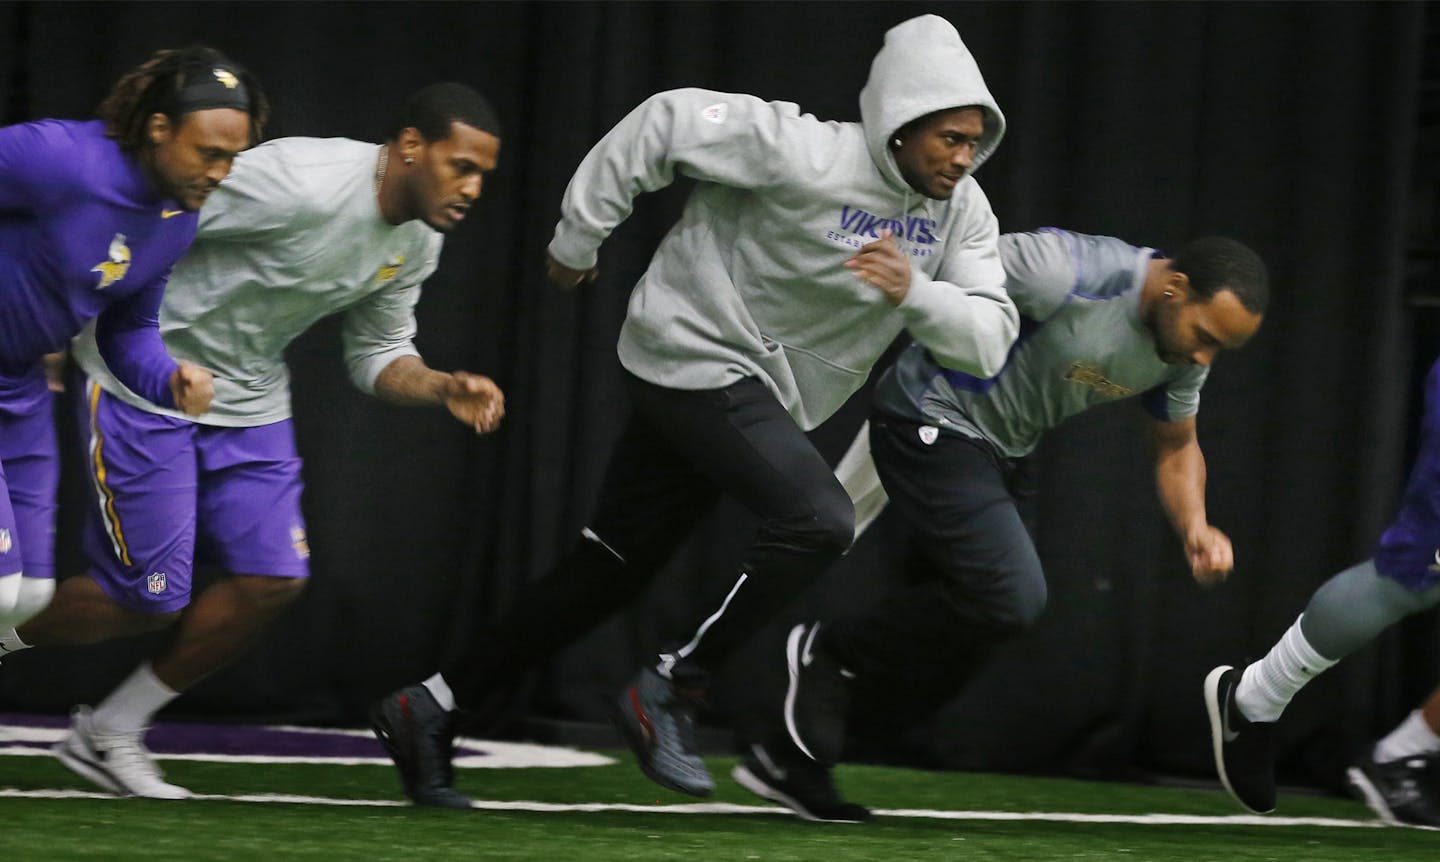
x: 390, y: 269
x: 226, y: 79
x: 114, y: 269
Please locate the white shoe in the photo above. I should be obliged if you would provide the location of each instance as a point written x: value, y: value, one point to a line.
x: 118, y: 762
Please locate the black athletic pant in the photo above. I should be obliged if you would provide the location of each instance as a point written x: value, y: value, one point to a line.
x: 680, y: 451
x: 976, y: 578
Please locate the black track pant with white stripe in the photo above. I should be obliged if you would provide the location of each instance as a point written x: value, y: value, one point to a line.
x: 680, y: 451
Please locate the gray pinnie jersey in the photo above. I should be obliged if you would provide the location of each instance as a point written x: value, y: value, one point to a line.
x: 1082, y: 343
x: 292, y: 235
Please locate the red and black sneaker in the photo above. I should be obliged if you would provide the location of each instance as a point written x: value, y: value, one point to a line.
x: 657, y: 720
x: 417, y: 734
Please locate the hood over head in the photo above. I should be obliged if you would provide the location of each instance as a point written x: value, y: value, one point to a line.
x: 923, y: 67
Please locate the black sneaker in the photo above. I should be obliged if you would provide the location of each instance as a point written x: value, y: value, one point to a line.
x: 657, y: 719
x: 417, y: 734
x: 1400, y: 791
x: 798, y: 783
x: 1244, y: 749
x: 817, y: 703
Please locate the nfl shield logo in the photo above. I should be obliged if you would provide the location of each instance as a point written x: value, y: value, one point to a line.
x: 716, y: 113
x: 929, y: 434
x: 155, y: 583
x: 5, y: 543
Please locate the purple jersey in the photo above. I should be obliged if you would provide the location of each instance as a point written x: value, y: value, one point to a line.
x: 1409, y: 551
x: 83, y: 234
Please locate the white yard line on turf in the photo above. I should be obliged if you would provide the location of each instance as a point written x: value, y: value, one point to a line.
x: 21, y: 741
x: 730, y: 808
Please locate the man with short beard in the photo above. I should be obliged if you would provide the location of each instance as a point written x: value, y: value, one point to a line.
x: 1101, y: 320
x: 305, y: 227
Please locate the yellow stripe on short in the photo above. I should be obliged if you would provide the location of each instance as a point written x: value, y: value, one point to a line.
x: 97, y: 465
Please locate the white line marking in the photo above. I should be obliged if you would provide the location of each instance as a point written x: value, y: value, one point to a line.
x: 732, y: 808
x: 491, y: 754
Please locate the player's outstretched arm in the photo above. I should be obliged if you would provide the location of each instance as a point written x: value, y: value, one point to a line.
x: 1180, y: 477
x: 474, y: 399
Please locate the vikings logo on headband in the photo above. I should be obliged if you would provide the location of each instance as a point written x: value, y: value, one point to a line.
x: 221, y: 88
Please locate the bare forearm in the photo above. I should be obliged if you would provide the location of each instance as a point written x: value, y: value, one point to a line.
x: 408, y: 381
x: 1180, y: 477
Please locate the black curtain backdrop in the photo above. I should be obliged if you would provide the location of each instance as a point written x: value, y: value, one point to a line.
x: 1288, y: 125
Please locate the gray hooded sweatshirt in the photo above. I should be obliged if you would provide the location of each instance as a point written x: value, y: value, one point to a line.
x: 751, y: 281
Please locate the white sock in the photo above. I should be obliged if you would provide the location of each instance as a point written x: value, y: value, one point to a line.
x: 440, y: 690
x: 10, y: 642
x: 130, y: 707
x: 35, y: 595
x: 1412, y: 737
x: 1267, y: 686
x: 9, y: 596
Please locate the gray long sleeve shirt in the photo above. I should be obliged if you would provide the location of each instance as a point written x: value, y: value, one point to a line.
x: 292, y: 235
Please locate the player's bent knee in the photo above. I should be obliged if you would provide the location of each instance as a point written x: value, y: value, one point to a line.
x: 270, y: 592
x: 837, y: 535
x: 1029, y: 603
x: 1026, y: 594
x: 1008, y: 608
x: 154, y: 622
x: 832, y: 529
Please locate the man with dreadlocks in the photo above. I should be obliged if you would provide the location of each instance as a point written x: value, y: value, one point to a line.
x: 92, y: 217
x: 303, y: 228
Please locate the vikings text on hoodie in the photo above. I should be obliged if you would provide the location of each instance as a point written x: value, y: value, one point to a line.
x: 751, y: 281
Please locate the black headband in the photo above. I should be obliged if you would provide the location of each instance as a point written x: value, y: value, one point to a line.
x: 217, y: 88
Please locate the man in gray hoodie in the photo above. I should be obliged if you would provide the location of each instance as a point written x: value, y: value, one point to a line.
x: 804, y: 250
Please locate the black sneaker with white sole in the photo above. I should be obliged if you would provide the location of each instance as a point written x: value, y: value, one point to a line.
x: 1400, y: 791
x: 1244, y: 750
x: 797, y: 782
x: 817, y: 701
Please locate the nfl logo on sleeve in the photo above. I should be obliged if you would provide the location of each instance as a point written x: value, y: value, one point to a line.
x: 929, y: 434
x: 5, y: 541
x: 155, y: 583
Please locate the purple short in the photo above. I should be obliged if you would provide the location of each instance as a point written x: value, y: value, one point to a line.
x: 29, y: 476
x: 168, y: 488
x: 1409, y: 550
